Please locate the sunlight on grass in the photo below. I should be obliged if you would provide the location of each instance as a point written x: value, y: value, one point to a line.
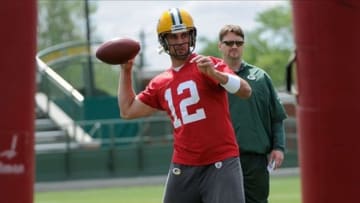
x: 149, y: 194
x: 283, y: 190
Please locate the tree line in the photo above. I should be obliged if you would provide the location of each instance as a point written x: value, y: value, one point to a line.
x: 268, y: 46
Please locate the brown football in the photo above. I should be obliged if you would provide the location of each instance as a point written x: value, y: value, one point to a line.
x: 118, y: 51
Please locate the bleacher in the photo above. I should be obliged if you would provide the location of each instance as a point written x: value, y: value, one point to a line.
x: 49, y: 136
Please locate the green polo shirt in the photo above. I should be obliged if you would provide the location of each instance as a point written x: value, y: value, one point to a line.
x: 258, y: 121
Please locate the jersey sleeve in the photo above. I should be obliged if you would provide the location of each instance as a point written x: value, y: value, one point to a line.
x: 278, y: 114
x: 278, y: 133
x: 277, y: 109
x: 149, y: 96
x: 220, y: 65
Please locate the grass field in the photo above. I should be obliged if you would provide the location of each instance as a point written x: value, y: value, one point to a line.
x: 283, y: 190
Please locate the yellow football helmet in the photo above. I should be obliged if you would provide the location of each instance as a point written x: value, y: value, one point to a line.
x: 175, y: 20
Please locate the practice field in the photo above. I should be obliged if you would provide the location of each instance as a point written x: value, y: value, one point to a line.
x: 283, y: 190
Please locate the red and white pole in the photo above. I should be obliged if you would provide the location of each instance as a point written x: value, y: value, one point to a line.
x: 328, y: 68
x: 17, y: 86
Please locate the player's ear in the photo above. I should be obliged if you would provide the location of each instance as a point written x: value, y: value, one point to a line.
x: 219, y: 45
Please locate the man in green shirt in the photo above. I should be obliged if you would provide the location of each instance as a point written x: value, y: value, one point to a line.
x: 258, y: 121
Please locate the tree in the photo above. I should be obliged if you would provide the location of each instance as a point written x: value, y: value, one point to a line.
x: 269, y: 45
x: 61, y: 21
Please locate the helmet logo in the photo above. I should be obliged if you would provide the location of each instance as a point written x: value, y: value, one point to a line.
x: 178, y: 28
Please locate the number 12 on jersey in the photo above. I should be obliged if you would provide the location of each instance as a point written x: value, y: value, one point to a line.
x: 194, y: 98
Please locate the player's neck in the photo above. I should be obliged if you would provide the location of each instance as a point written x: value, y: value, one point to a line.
x: 175, y: 62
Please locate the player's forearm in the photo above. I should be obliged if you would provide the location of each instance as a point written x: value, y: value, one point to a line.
x: 218, y: 76
x: 126, y: 93
x: 243, y: 89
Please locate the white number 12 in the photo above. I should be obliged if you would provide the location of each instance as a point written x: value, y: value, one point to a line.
x: 192, y: 99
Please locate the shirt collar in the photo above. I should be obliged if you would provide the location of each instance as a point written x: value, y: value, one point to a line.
x: 242, y: 67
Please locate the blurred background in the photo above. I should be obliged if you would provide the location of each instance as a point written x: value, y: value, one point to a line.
x: 79, y: 133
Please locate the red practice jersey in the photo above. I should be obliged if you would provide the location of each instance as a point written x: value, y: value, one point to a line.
x: 198, y: 107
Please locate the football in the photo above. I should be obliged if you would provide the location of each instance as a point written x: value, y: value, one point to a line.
x: 118, y: 50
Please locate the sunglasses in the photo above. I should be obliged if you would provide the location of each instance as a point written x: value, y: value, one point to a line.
x: 231, y: 43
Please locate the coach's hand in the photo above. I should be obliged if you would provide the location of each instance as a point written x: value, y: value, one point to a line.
x: 277, y: 156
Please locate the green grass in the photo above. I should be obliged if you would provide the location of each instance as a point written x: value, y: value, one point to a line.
x: 148, y: 194
x: 283, y: 190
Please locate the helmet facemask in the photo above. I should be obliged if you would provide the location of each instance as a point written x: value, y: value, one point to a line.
x: 166, y: 46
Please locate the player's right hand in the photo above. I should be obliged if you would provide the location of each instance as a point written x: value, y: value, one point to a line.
x: 128, y: 65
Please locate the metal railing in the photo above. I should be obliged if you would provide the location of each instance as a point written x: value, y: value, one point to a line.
x: 56, y: 80
x: 110, y: 133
